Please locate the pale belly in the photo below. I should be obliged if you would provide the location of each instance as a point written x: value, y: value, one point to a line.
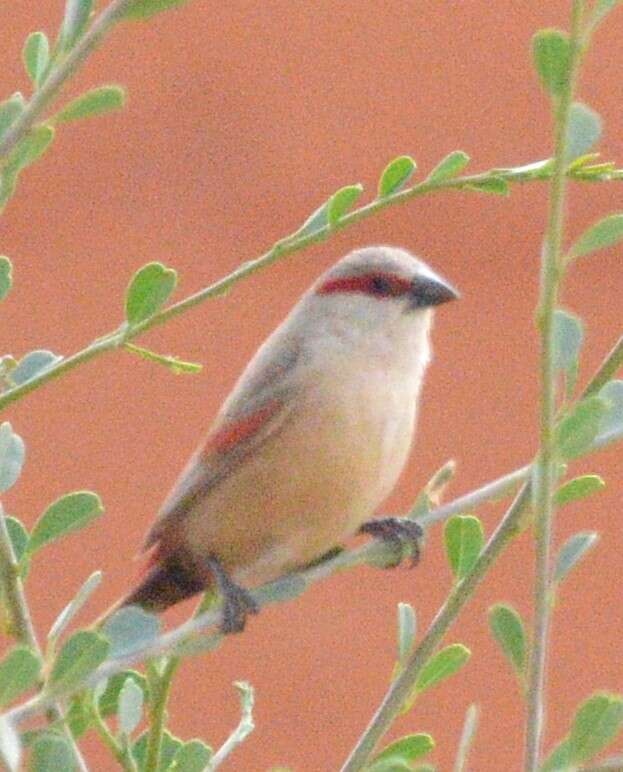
x: 309, y: 487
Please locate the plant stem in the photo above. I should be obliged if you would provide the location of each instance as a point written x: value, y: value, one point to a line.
x: 159, y: 689
x: 403, y: 685
x: 551, y: 274
x: 60, y: 74
x: 21, y: 621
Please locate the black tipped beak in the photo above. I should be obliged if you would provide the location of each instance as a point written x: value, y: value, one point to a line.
x: 432, y: 291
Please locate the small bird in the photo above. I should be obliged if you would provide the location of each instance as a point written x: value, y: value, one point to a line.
x: 308, y: 444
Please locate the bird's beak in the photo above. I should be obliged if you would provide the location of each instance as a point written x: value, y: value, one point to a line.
x: 431, y: 290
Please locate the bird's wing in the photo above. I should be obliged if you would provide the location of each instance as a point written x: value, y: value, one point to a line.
x: 258, y: 408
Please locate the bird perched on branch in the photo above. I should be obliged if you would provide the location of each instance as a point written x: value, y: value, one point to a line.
x: 309, y: 443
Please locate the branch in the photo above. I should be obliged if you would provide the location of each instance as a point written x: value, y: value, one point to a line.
x: 551, y: 276
x: 241, y: 732
x: 60, y: 74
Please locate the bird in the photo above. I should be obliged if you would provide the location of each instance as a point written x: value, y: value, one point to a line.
x: 309, y: 443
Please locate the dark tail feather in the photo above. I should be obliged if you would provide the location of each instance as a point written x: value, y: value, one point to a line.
x: 165, y: 585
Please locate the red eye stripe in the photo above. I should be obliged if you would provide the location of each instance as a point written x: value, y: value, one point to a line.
x: 376, y: 284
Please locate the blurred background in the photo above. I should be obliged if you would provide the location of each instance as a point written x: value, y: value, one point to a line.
x: 242, y: 118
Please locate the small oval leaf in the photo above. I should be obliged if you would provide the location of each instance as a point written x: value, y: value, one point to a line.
x: 464, y: 538
x: 149, y: 289
x: 578, y: 488
x: 495, y: 185
x: 79, y: 657
x: 577, y: 431
x: 51, y: 753
x: 77, y: 14
x: 407, y: 628
x: 568, y: 337
x: 572, y: 551
x: 72, y: 608
x: 551, y: 52
x: 108, y: 701
x: 193, y: 756
x: 6, y: 276
x: 36, y: 55
x: 97, y: 101
x: 69, y: 513
x: 612, y: 420
x: 18, y: 535
x: 12, y: 452
x: 130, y: 708
x: 19, y: 671
x: 508, y: 630
x: 583, y: 130
x: 145, y: 9
x: 10, y: 110
x: 341, y: 201
x: 449, y: 167
x: 442, y: 665
x: 396, y: 175
x: 29, y: 149
x: 130, y: 629
x: 406, y: 749
x: 602, y: 234
x: 33, y: 364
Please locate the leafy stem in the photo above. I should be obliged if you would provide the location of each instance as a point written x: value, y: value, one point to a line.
x: 551, y: 274
x: 159, y: 679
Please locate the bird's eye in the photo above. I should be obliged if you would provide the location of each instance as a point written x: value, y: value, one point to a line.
x: 381, y: 286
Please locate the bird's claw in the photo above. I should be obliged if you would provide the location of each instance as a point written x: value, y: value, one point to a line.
x: 396, y: 531
x: 238, y: 603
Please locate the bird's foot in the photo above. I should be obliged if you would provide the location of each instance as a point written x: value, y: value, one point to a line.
x: 238, y: 603
x: 398, y: 532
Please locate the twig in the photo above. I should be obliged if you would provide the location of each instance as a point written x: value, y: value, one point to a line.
x: 551, y: 275
x: 242, y: 731
x: 60, y: 74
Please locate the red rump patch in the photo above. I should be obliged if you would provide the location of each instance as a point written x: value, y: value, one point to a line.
x: 229, y: 435
x: 377, y: 284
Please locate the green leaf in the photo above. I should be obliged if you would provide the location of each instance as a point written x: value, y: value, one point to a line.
x: 342, y: 201
x: 97, y: 101
x: 18, y: 535
x: 80, y: 656
x: 407, y: 749
x: 602, y: 234
x: 193, y: 756
x: 407, y: 628
x: 169, y: 748
x: 597, y: 722
x: 29, y: 149
x: 550, y: 53
x: 69, y: 513
x: 72, y: 608
x: 108, y: 702
x: 12, y: 453
x: 10, y: 746
x: 572, y: 552
x: 396, y: 175
x: 145, y: 9
x: 508, y: 630
x: 19, y: 671
x: 568, y: 337
x: 449, y: 167
x: 36, y: 55
x: 583, y: 130
x: 578, y: 488
x: 578, y: 430
x: 130, y: 629
x: 51, y: 753
x: 612, y: 420
x: 149, y: 289
x: 177, y: 366
x: 130, y: 706
x: 464, y: 538
x: 10, y: 110
x: 495, y: 185
x: 77, y: 14
x: 442, y: 665
x: 6, y: 276
x: 33, y: 364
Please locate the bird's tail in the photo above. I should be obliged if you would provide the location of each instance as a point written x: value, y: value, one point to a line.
x: 164, y: 585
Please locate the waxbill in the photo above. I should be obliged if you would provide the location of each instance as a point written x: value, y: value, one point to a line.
x: 309, y: 443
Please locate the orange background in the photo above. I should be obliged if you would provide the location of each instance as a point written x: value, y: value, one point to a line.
x: 242, y: 118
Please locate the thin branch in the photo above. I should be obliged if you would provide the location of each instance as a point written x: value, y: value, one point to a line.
x: 60, y: 74
x: 551, y: 275
x: 159, y: 690
x: 241, y: 732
